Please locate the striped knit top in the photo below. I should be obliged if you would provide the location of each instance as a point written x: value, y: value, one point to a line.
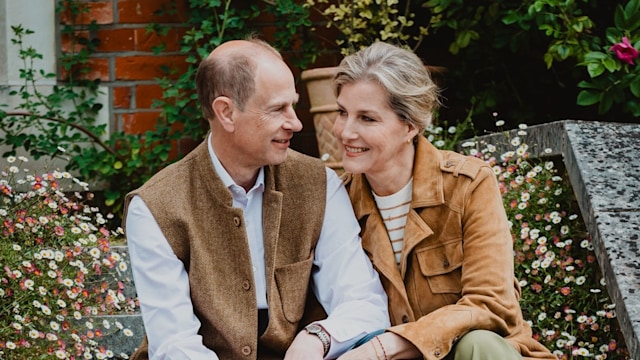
x: 394, y: 209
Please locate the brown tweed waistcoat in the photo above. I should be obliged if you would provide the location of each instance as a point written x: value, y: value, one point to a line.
x: 194, y: 211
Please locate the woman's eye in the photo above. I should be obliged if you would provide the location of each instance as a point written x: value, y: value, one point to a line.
x: 367, y: 119
x: 341, y: 112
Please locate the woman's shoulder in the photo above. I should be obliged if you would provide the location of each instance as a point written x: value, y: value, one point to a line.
x: 460, y: 164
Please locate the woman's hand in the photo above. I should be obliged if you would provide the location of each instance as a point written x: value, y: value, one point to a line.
x: 387, y: 346
x: 366, y: 351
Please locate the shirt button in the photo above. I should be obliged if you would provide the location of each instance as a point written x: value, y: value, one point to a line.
x: 405, y: 319
x: 236, y: 221
x: 246, y: 350
x: 246, y: 285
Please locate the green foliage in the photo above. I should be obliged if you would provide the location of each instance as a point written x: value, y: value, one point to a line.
x: 211, y: 23
x: 501, y: 46
x: 613, y: 81
x: 534, y: 60
x: 361, y: 23
x: 63, y: 124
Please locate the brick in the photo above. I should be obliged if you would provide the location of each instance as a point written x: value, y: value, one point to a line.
x: 122, y: 97
x: 66, y: 41
x: 100, y: 11
x: 145, y: 94
x: 147, y: 67
x: 146, y: 41
x: 139, y: 122
x: 95, y: 68
x: 145, y: 11
x: 112, y: 40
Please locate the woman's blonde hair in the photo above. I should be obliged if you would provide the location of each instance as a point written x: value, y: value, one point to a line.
x: 412, y: 93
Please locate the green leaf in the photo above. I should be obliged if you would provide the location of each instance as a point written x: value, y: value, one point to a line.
x: 595, y: 55
x: 611, y: 64
x: 635, y: 87
x: 586, y: 98
x: 595, y: 69
x: 606, y: 101
x: 619, y: 17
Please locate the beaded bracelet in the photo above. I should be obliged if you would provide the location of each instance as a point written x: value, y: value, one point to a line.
x: 381, y: 346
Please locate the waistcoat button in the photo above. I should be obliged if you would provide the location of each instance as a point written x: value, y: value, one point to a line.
x: 246, y: 285
x: 405, y: 319
x: 445, y: 263
x: 246, y: 350
x: 236, y: 221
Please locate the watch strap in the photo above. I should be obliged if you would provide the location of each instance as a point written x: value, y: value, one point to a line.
x: 317, y: 330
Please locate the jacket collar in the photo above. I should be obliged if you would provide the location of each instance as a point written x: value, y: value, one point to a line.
x: 428, y: 188
x: 427, y: 191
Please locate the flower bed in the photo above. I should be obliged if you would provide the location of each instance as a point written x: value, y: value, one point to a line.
x: 58, y: 268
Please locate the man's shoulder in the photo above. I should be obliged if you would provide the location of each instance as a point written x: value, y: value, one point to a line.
x: 174, y: 173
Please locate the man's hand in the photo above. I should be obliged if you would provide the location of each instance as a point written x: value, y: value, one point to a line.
x: 305, y: 347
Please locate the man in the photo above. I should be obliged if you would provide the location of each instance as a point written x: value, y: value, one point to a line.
x: 226, y: 243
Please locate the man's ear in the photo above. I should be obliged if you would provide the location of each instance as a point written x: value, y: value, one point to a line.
x: 224, y: 108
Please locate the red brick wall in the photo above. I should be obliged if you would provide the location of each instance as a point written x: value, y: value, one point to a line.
x: 125, y: 63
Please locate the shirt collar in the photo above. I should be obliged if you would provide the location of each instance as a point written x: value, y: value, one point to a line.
x: 227, y: 180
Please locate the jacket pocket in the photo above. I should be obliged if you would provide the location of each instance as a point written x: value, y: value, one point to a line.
x: 441, y: 264
x: 292, y: 281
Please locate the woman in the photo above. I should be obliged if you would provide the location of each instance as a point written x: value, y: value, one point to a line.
x: 432, y: 221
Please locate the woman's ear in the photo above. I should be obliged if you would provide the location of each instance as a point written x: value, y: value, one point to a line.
x: 224, y: 108
x: 412, y: 131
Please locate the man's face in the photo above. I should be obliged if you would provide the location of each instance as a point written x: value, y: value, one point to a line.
x: 265, y: 128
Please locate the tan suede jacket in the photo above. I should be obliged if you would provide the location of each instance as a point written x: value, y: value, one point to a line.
x: 456, y: 272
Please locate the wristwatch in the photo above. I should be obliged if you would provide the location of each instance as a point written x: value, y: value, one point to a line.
x: 317, y: 330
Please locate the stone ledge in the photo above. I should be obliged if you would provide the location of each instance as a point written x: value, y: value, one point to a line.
x: 603, y: 162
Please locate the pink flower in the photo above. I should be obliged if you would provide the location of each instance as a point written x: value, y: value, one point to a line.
x: 625, y: 51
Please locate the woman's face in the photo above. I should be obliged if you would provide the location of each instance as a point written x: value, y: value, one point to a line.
x: 374, y: 138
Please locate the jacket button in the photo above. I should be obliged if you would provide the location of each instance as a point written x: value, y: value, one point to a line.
x: 437, y: 353
x: 236, y: 221
x: 445, y: 263
x: 448, y: 163
x: 405, y: 319
x: 246, y: 350
x: 246, y: 285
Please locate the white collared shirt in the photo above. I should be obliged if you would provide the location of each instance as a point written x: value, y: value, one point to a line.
x: 344, y: 281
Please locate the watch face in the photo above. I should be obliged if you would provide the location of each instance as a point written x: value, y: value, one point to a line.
x: 313, y: 328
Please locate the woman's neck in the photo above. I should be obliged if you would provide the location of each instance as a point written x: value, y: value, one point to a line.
x: 395, y: 176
